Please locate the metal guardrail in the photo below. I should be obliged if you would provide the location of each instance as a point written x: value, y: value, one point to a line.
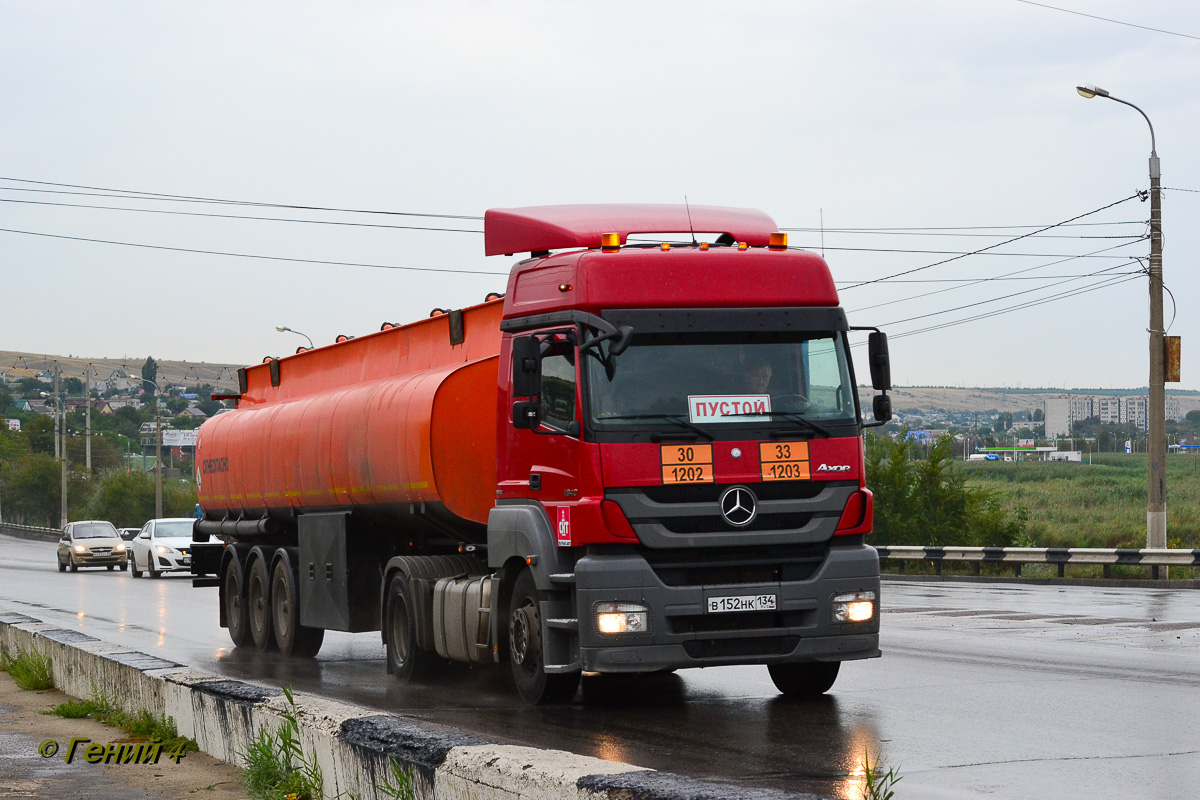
x: 29, y: 531
x: 1060, y: 556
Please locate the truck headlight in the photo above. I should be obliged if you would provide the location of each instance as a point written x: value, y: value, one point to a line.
x: 854, y: 607
x: 621, y: 617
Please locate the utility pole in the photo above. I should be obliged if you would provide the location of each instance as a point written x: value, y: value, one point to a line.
x: 87, y: 398
x: 1156, y: 483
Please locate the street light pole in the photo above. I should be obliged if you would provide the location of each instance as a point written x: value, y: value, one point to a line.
x: 158, y: 503
x: 1156, y: 486
x: 62, y: 458
x: 286, y: 329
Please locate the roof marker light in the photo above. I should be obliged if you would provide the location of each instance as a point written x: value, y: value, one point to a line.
x: 778, y: 241
x: 665, y: 246
x: 743, y: 245
x: 704, y: 245
x: 610, y: 242
x: 564, y: 287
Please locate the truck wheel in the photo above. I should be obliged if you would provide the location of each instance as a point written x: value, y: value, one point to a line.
x: 806, y: 679
x: 293, y: 638
x: 233, y: 595
x: 534, y: 684
x: 405, y: 659
x: 258, y: 602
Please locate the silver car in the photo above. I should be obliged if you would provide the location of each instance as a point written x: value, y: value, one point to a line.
x: 164, y: 545
x: 90, y: 543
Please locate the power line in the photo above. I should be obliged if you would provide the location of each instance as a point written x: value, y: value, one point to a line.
x: 1003, y: 297
x: 252, y: 255
x: 959, y: 253
x: 970, y: 281
x: 238, y: 216
x: 1107, y: 19
x: 990, y: 247
x: 1083, y: 290
x: 972, y: 227
x: 199, y: 199
x: 973, y: 281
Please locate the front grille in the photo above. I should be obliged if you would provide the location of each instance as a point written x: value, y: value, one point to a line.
x: 711, y: 493
x: 749, y: 647
x: 726, y: 566
x: 710, y: 523
x: 761, y: 621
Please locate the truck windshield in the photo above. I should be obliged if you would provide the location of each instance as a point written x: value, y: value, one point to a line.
x: 722, y: 378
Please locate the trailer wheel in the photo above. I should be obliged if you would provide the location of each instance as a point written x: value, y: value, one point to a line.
x: 293, y: 638
x: 405, y: 659
x: 233, y: 597
x: 526, y: 654
x: 806, y: 679
x: 258, y: 601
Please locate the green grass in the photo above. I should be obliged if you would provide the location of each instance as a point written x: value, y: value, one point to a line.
x: 29, y: 669
x: 276, y: 767
x: 141, y: 725
x: 1102, y: 504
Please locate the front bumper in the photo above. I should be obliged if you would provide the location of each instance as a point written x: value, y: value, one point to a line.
x: 98, y: 560
x: 172, y: 562
x: 681, y: 634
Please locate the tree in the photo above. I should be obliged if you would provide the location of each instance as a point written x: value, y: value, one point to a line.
x: 32, y: 490
x: 210, y: 407
x: 926, y: 501
x: 150, y: 370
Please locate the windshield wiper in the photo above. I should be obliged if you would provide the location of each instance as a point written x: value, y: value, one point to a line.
x: 676, y: 418
x: 791, y: 416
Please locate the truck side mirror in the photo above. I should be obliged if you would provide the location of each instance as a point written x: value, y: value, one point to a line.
x: 526, y: 414
x: 526, y: 366
x: 624, y: 334
x: 882, y: 406
x: 877, y: 356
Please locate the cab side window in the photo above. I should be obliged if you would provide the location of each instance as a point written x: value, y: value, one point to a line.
x: 558, y: 387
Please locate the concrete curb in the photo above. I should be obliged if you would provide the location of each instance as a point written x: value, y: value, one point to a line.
x: 353, y: 745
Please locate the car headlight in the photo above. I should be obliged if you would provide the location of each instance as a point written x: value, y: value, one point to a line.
x: 854, y: 607
x: 80, y: 548
x: 162, y: 549
x: 119, y: 548
x: 616, y: 618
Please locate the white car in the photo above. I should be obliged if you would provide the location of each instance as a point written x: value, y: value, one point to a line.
x: 164, y: 545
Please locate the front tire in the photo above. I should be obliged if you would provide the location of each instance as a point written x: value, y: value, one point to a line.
x: 806, y: 679
x: 293, y: 638
x: 405, y: 659
x: 526, y: 654
x: 258, y: 602
x: 62, y: 567
x: 137, y: 573
x: 74, y: 566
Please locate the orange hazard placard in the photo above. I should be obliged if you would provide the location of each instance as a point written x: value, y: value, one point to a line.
x: 687, y: 463
x: 784, y: 461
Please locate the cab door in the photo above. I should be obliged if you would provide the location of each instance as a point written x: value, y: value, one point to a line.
x: 544, y: 450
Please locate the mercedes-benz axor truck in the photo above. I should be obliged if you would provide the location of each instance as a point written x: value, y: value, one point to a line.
x: 645, y: 456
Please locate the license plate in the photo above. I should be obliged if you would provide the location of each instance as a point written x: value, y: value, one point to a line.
x: 748, y: 602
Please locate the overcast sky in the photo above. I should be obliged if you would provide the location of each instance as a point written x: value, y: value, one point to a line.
x: 864, y: 115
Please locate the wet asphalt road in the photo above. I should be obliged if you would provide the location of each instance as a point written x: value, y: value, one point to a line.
x: 993, y: 690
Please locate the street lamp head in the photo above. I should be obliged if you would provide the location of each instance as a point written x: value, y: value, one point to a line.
x: 284, y: 329
x: 1089, y: 91
x: 44, y: 394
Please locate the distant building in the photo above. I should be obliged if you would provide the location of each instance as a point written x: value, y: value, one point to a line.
x: 1063, y: 412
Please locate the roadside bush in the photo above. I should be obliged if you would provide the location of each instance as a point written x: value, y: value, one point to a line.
x: 926, y: 501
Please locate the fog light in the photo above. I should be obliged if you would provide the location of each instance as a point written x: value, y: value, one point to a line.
x: 855, y: 607
x: 621, y: 618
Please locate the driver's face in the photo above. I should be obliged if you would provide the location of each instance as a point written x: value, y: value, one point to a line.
x: 758, y: 378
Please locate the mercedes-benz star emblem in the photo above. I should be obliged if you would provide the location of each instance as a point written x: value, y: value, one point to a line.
x: 739, y: 506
